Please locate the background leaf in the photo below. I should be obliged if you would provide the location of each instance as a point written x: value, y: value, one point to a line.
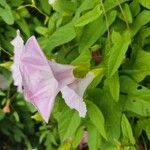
x: 126, y: 130
x: 6, y: 12
x: 67, y: 125
x: 117, y: 53
x: 89, y: 17
x: 145, y: 3
x: 92, y: 135
x: 114, y: 86
x: 98, y: 120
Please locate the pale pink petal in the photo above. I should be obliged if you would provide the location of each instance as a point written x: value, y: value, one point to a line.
x: 62, y: 73
x: 43, y: 99
x: 73, y: 100
x: 73, y: 94
x: 80, y: 85
x: 18, y: 49
x: 40, y: 86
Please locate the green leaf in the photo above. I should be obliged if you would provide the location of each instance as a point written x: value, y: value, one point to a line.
x: 45, y: 6
x: 137, y: 106
x: 86, y: 5
x: 2, y: 93
x: 108, y: 146
x: 18, y: 134
x: 95, y: 30
x: 1, y: 114
x: 135, y: 7
x: 6, y: 78
x: 6, y: 13
x: 137, y: 96
x: 94, y: 137
x: 98, y: 119
x: 61, y: 36
x: 16, y: 3
x: 78, y: 137
x: 82, y: 63
x: 142, y: 19
x: 118, y: 51
x: 99, y: 74
x: 139, y: 67
x: 65, y: 7
x: 109, y: 4
x: 127, y: 13
x: 52, y: 22
x: 130, y: 87
x: 22, y: 13
x: 143, y: 124
x: 37, y: 117
x: 127, y: 130
x: 65, y: 146
x: 83, y: 57
x: 143, y: 38
x: 49, y: 138
x: 4, y: 84
x: 68, y: 122
x: 89, y: 17
x: 111, y: 111
x: 145, y: 3
x: 6, y: 64
x: 42, y: 30
x: 15, y: 114
x: 24, y: 26
x: 114, y: 86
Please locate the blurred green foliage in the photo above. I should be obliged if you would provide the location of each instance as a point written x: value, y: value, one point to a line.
x: 112, y: 36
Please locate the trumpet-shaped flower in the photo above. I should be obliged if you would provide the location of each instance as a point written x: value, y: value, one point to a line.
x: 40, y: 80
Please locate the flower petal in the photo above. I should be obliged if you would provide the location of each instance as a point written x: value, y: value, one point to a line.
x: 80, y: 85
x: 73, y: 100
x: 73, y: 94
x: 62, y: 73
x: 18, y: 49
x: 40, y: 85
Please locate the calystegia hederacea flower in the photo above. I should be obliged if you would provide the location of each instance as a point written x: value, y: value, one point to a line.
x: 40, y: 79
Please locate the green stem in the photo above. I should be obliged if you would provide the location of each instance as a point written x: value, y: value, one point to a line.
x: 145, y: 147
x: 123, y: 14
x: 40, y: 11
x: 5, y: 51
x: 107, y: 24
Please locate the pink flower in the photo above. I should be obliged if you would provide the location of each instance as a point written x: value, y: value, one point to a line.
x: 40, y: 80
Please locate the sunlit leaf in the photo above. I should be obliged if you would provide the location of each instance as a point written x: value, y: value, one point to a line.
x: 98, y: 119
x: 127, y: 130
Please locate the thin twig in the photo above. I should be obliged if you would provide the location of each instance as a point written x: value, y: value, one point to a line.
x: 5, y: 51
x: 107, y: 23
x: 33, y: 6
x: 123, y: 14
x: 145, y: 147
